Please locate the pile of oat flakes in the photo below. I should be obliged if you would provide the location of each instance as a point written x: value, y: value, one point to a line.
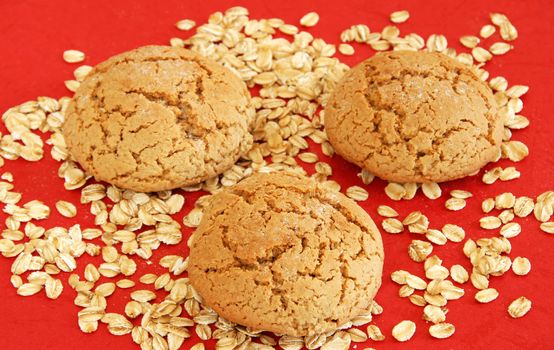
x: 295, y: 73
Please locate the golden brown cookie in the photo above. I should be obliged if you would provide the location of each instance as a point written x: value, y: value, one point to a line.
x: 279, y: 252
x: 157, y: 118
x: 414, y: 117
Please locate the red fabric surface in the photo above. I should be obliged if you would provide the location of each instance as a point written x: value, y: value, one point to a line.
x: 33, y: 35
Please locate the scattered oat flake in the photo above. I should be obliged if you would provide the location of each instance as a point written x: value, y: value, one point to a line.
x: 490, y: 222
x: 288, y: 29
x: 490, y: 176
x: 433, y: 314
x: 399, y: 276
x: 28, y: 289
x: 436, y: 237
x: 395, y: 191
x: 88, y: 326
x: 346, y: 49
x: 390, y: 33
x: 357, y: 335
x: 461, y: 194
x: 81, y: 72
x: 498, y: 18
x: 376, y: 309
x: 469, y: 41
x: 357, y: 193
x: 521, y: 266
x: 510, y: 230
x: 143, y: 295
x: 431, y: 190
x: 479, y: 281
x: 185, y: 24
x: 486, y: 295
x: 72, y: 85
x: 453, y: 232
x: 392, y: 225
x: 432, y: 261
x: 16, y: 281
x: 73, y: 56
x: 380, y: 45
x: 480, y: 54
x: 437, y: 42
x: 455, y: 204
x: 437, y: 272
x: 53, y: 288
x: 504, y: 200
x: 523, y: 206
x: 498, y: 83
x: 366, y: 177
x: 374, y: 333
x: 399, y: 16
x: 548, y: 227
x: 192, y: 219
x: 386, y: 211
x: 308, y: 157
x: 543, y: 211
x: 6, y: 245
x: 519, y: 307
x: 404, y: 330
x: 415, y: 282
x: 516, y: 91
x: 419, y: 250
x: 487, y: 30
x: 442, y: 330
x: 514, y: 150
x: 487, y: 205
x: 7, y: 176
x: 459, y: 274
x: 469, y: 247
x: 506, y: 216
x: 66, y: 209
x: 417, y: 300
x: 405, y: 291
x: 412, y: 218
x: 508, y: 31
x: 310, y: 19
x: 510, y: 173
x: 500, y: 48
x: 411, y: 190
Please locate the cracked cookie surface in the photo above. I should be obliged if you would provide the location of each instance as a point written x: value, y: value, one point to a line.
x: 157, y: 118
x: 278, y: 252
x: 414, y: 117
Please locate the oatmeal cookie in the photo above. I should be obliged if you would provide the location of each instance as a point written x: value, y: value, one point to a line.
x: 157, y: 118
x: 414, y: 117
x: 281, y: 253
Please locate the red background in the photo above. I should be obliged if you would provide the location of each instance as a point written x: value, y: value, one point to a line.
x: 33, y: 35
